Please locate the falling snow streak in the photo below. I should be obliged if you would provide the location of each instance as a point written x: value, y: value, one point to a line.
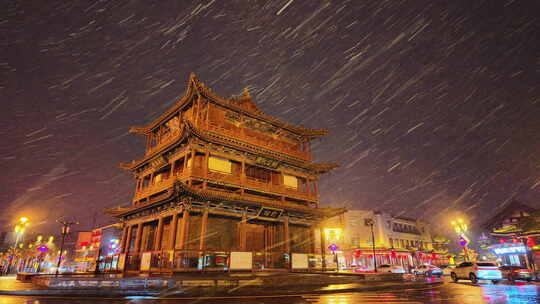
x: 432, y: 106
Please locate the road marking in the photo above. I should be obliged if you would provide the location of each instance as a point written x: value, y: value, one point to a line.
x: 337, y: 294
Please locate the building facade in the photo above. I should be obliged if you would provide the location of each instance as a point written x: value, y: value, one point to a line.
x: 398, y: 240
x: 221, y: 183
x: 514, y: 235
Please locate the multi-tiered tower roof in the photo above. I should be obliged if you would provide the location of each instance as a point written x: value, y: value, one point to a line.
x: 223, y: 157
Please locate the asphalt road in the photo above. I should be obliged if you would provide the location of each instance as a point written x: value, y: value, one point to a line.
x: 462, y: 292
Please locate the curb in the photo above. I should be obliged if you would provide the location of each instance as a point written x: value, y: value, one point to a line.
x: 126, y: 293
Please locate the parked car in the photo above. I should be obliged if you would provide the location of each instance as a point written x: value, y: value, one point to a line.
x: 428, y: 271
x: 390, y: 268
x: 475, y: 271
x: 447, y: 269
x: 513, y: 273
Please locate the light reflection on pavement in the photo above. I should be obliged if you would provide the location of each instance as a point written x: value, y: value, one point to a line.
x: 462, y: 292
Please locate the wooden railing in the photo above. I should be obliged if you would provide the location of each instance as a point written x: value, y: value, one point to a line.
x: 154, y: 188
x: 234, y: 180
x: 239, y: 134
x: 254, y: 184
x: 165, y: 141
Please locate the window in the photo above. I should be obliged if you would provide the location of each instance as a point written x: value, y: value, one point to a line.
x: 290, y: 181
x: 219, y: 164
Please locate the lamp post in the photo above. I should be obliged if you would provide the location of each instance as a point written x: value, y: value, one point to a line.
x: 371, y: 222
x: 20, y: 227
x: 461, y: 228
x: 65, y: 230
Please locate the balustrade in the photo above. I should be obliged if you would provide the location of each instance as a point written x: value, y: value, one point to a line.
x: 238, y: 133
x: 163, y: 142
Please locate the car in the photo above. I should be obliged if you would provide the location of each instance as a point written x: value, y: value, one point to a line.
x: 447, y: 269
x: 390, y: 268
x: 428, y: 271
x: 476, y: 271
x: 513, y: 273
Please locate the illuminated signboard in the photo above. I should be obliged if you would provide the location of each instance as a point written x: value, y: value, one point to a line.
x: 510, y: 250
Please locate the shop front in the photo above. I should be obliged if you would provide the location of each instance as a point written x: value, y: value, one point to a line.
x: 362, y: 258
x: 514, y: 254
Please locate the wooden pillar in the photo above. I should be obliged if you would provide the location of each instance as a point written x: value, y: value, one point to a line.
x: 183, y: 229
x: 123, y: 240
x: 171, y: 173
x: 207, y: 114
x: 243, y: 232
x: 138, y: 238
x: 243, y: 172
x: 172, y: 235
x: 204, y: 224
x: 159, y: 233
x: 205, y: 166
x: 323, y: 247
x: 312, y: 238
x: 286, y: 235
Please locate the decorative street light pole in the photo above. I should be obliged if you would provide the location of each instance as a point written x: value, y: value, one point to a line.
x: 460, y: 227
x: 65, y: 230
x: 20, y: 227
x: 371, y: 222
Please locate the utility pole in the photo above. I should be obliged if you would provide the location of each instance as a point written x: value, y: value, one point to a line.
x: 65, y: 230
x: 371, y: 222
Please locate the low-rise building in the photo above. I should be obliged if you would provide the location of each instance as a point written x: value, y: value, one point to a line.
x: 397, y: 240
x: 515, y: 233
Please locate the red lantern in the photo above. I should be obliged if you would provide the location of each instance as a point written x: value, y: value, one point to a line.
x: 357, y: 253
x: 393, y: 253
x: 502, y: 241
x: 530, y: 242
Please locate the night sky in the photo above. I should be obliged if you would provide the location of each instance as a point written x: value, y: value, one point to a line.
x: 433, y: 107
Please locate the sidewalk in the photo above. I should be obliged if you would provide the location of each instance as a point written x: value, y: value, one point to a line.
x: 291, y: 285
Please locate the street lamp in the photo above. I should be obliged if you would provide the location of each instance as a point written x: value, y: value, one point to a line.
x: 461, y: 228
x: 20, y: 227
x: 65, y: 230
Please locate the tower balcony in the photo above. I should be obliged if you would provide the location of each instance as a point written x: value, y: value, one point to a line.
x: 230, y: 180
x: 247, y: 183
x: 239, y: 133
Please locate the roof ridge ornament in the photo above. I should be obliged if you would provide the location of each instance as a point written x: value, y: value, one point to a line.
x: 246, y: 94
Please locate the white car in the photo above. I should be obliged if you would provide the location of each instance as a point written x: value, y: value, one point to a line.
x: 390, y: 268
x: 475, y: 271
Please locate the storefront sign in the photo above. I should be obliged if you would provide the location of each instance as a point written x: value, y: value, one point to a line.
x: 510, y: 250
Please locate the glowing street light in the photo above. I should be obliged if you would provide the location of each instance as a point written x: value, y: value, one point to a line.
x: 460, y: 227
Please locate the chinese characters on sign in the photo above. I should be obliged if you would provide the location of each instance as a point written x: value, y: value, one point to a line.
x: 270, y: 212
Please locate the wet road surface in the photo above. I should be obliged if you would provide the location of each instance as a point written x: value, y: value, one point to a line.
x: 462, y: 292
